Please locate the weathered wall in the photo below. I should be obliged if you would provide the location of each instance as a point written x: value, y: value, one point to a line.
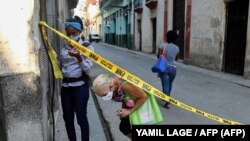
x: 170, y: 14
x: 17, y: 49
x: 159, y: 14
x: 247, y: 60
x: 25, y: 97
x: 137, y: 34
x: 207, y: 33
x: 146, y: 26
x: 22, y: 107
x: 19, y: 91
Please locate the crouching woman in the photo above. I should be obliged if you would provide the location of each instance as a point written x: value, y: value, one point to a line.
x: 118, y: 90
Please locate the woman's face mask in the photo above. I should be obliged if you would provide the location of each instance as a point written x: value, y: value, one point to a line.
x: 107, y: 97
x: 75, y: 38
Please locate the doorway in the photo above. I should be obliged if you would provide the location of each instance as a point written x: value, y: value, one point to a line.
x: 179, y: 24
x: 154, y: 35
x: 236, y: 33
x: 139, y: 32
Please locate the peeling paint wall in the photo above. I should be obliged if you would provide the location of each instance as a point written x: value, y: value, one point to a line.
x: 207, y: 33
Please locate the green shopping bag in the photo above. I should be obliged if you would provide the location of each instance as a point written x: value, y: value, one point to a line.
x: 147, y: 114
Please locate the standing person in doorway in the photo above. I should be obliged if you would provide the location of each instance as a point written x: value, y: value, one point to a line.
x: 75, y: 87
x: 171, y: 55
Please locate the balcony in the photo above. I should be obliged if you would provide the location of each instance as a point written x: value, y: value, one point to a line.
x: 138, y: 6
x: 151, y: 3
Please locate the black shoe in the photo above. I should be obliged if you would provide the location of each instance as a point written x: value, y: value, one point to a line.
x: 166, y: 105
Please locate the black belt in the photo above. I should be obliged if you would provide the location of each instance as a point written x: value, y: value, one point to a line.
x: 72, y: 79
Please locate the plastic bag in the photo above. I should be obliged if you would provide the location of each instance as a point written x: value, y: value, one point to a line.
x: 147, y: 114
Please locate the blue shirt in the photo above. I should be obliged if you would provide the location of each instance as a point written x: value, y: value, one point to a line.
x: 71, y: 67
x: 171, y: 51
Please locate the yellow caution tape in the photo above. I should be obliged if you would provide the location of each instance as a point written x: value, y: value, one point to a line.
x: 124, y: 74
x: 57, y: 71
x: 52, y: 55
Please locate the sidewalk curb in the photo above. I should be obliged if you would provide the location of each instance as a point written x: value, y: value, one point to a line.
x: 104, y: 122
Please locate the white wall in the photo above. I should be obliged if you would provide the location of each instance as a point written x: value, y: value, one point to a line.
x: 207, y: 33
x: 170, y: 14
x: 17, y: 41
x: 146, y: 26
x: 160, y: 22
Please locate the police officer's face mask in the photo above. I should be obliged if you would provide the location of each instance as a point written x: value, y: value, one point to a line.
x: 75, y: 38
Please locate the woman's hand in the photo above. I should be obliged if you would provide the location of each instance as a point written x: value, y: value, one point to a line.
x: 76, y: 54
x: 122, y: 113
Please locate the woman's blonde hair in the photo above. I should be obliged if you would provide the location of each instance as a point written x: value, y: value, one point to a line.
x: 101, y: 82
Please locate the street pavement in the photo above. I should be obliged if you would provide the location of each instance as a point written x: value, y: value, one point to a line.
x: 217, y: 93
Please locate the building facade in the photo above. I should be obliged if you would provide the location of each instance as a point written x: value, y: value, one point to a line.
x: 93, y: 15
x: 118, y: 22
x: 149, y: 25
x: 212, y: 34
